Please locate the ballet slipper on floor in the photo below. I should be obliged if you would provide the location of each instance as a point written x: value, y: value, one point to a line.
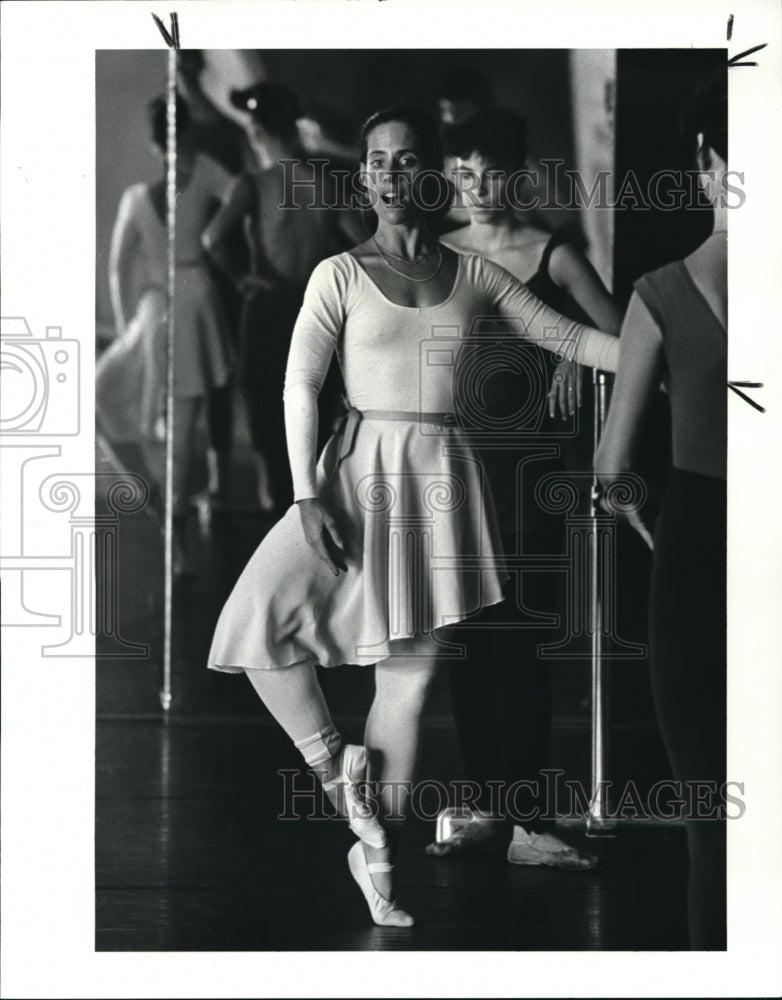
x: 384, y: 912
x: 481, y: 834
x: 536, y: 849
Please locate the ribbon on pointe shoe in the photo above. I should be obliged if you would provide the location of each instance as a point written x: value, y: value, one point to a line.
x: 360, y: 815
x: 384, y: 912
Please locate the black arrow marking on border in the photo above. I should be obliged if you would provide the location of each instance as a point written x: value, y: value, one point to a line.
x: 171, y: 39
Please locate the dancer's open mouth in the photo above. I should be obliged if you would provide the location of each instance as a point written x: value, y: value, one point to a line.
x: 393, y: 199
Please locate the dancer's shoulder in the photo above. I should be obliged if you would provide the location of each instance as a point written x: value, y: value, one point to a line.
x: 481, y: 271
x: 133, y: 200
x: 333, y: 277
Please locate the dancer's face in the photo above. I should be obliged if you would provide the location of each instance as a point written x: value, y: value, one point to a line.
x: 483, y: 187
x: 392, y: 165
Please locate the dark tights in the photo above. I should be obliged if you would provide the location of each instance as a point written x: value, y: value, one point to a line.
x: 501, y: 695
x: 688, y: 664
x: 219, y: 417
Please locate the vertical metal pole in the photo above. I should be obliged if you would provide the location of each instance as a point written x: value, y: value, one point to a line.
x: 166, y: 692
x: 599, y: 824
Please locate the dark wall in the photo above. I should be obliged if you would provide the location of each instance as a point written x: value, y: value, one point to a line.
x: 652, y: 87
x: 349, y: 85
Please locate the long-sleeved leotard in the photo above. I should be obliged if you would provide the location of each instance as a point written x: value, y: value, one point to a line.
x: 404, y: 358
x: 422, y: 545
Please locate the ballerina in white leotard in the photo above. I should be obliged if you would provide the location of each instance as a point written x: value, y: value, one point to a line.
x: 130, y: 376
x: 393, y: 534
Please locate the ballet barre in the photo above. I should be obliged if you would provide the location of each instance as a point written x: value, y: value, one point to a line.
x: 598, y: 823
x: 166, y: 693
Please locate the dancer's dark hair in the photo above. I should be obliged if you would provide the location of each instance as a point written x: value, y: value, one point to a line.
x: 422, y: 125
x: 496, y: 134
x: 432, y: 193
x: 466, y: 86
x: 272, y: 105
x: 707, y: 112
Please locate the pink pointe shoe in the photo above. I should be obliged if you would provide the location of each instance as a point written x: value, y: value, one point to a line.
x: 361, y: 819
x: 383, y: 911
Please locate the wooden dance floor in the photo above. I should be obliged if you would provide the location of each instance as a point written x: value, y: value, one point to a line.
x: 190, y: 852
x: 190, y: 857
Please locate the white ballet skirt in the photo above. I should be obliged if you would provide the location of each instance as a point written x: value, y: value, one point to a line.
x: 130, y: 374
x: 406, y: 489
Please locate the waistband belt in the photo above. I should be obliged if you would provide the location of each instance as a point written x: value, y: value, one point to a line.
x: 347, y: 427
x: 413, y: 416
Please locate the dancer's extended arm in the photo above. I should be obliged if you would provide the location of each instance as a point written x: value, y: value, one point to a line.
x: 534, y: 320
x: 637, y: 382
x: 237, y: 205
x: 573, y: 273
x: 124, y: 243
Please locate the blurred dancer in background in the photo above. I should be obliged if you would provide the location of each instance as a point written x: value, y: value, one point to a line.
x: 131, y: 374
x: 212, y: 133
x: 285, y: 245
x: 501, y: 692
x: 461, y: 94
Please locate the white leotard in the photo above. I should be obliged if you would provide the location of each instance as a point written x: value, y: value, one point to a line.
x: 402, y: 358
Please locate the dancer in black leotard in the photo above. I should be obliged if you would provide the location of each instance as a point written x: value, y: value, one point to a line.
x: 675, y: 329
x: 501, y: 691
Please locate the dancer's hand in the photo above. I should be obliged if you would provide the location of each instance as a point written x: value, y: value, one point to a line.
x: 565, y: 390
x: 639, y: 520
x: 636, y: 521
x: 322, y: 535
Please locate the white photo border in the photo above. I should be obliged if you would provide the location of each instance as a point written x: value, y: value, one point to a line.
x: 48, y: 709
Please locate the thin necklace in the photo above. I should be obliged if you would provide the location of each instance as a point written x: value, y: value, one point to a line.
x: 406, y: 260
x: 401, y: 274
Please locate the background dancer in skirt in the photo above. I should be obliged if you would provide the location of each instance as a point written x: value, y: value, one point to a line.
x: 138, y: 265
x: 342, y: 578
